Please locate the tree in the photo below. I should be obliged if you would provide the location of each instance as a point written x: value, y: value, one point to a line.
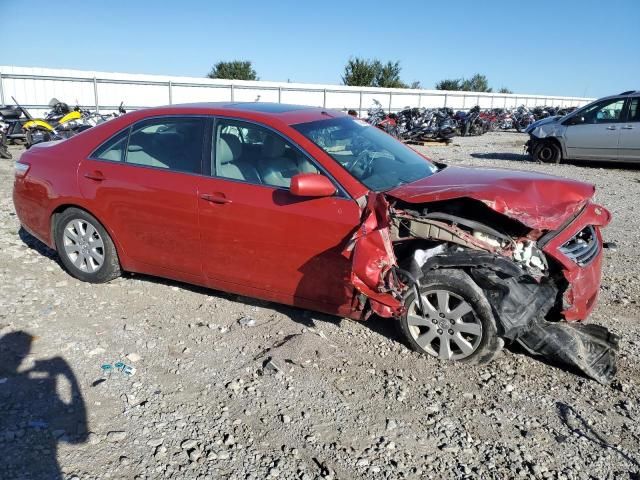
x: 415, y: 84
x: 449, y: 84
x: 360, y: 72
x: 388, y: 75
x: 363, y: 72
x: 477, y: 83
x: 235, y: 70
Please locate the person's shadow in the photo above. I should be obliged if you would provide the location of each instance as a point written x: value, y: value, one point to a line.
x: 40, y: 406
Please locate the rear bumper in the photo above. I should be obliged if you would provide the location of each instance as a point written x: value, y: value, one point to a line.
x: 583, y: 281
x: 30, y: 203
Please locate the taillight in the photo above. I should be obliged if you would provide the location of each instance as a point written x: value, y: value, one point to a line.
x: 21, y: 169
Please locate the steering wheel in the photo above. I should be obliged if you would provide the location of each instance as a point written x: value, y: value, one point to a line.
x: 364, y: 157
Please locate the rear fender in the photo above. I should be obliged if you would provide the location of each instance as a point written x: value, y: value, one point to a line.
x: 33, y: 124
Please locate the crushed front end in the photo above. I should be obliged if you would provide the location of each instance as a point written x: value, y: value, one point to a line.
x: 540, y: 282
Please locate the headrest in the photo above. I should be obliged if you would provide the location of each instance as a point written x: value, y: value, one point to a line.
x: 167, y: 141
x: 228, y: 149
x: 273, y: 147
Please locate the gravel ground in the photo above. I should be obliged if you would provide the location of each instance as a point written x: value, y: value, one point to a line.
x: 230, y: 387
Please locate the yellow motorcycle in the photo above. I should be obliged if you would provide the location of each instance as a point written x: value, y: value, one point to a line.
x: 61, y: 122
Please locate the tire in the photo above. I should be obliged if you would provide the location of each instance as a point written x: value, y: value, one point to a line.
x: 4, y: 151
x: 37, y: 135
x: 85, y: 248
x: 547, y: 152
x: 474, y: 338
x: 29, y: 139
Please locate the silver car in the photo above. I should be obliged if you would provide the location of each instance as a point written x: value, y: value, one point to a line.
x: 607, y: 129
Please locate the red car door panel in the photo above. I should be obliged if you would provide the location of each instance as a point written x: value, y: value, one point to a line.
x: 268, y: 239
x: 143, y: 181
x: 152, y: 212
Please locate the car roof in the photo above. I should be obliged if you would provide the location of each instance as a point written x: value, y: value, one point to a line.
x: 289, y: 114
x: 628, y: 93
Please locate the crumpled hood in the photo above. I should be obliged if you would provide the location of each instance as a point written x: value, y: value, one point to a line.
x: 539, y: 201
x: 542, y: 121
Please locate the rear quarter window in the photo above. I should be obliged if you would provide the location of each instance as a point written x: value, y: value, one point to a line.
x: 114, y: 149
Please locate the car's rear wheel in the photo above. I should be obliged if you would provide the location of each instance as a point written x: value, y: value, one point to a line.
x: 453, y: 321
x: 85, y: 248
x: 547, y: 152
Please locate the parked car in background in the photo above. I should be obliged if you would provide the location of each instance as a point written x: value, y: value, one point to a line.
x: 314, y: 208
x: 607, y: 129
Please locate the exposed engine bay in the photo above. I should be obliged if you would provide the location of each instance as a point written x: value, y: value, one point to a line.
x: 528, y: 290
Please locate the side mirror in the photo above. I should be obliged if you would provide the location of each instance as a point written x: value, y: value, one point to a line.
x: 576, y: 120
x: 311, y: 185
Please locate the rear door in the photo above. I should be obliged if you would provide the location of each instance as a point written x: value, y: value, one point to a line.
x: 258, y: 238
x: 629, y: 146
x: 597, y: 137
x: 142, y: 183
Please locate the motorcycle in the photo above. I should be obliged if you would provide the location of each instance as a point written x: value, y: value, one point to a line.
x: 377, y: 117
x: 61, y: 122
x: 13, y: 117
x: 471, y: 123
x: 522, y: 118
x: 4, y: 151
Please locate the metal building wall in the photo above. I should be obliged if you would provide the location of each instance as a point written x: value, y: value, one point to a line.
x: 34, y: 88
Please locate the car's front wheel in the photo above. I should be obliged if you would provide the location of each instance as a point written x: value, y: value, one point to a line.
x: 85, y: 248
x: 452, y: 320
x: 547, y: 152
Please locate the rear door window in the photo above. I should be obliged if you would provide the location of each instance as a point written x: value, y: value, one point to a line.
x: 634, y: 110
x: 171, y: 143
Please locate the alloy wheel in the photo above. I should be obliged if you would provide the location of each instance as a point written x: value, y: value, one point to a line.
x: 83, y: 245
x: 448, y: 328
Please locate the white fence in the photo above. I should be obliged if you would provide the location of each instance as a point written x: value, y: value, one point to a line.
x: 34, y: 88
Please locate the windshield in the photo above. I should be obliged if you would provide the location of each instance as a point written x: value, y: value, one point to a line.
x: 376, y: 159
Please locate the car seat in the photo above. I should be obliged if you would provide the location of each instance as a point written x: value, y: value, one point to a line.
x: 274, y: 167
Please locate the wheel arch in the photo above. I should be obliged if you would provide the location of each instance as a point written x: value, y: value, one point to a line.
x: 67, y: 205
x: 558, y: 143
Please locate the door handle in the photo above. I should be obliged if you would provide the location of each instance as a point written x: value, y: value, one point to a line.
x: 96, y: 175
x: 611, y: 128
x: 628, y: 127
x: 215, y: 198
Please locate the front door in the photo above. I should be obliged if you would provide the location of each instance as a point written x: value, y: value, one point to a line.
x: 596, y: 138
x: 629, y: 146
x: 143, y: 183
x: 260, y: 239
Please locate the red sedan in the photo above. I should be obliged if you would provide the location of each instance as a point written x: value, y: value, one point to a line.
x: 313, y: 208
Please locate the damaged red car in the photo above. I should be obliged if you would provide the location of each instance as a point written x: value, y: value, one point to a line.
x: 314, y: 208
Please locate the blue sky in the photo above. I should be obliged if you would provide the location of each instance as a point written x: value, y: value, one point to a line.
x: 570, y: 47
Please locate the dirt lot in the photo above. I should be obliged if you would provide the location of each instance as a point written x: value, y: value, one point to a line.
x: 340, y: 399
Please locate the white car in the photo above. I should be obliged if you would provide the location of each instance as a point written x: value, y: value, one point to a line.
x: 607, y: 129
